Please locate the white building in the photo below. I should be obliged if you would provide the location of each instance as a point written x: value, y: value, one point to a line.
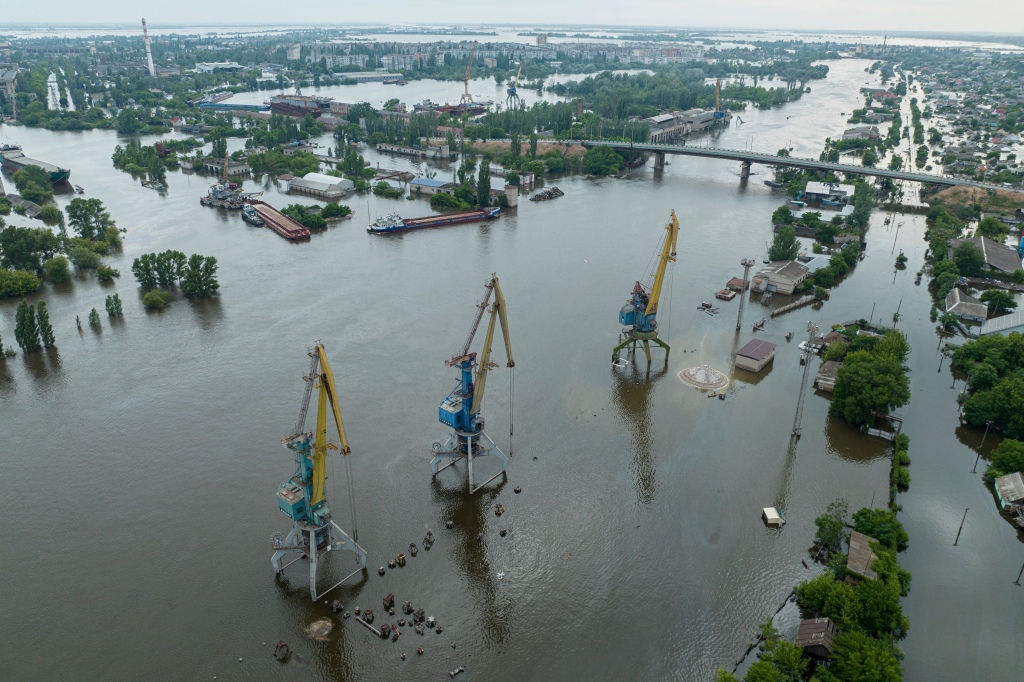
x: 321, y: 186
x: 782, y: 276
x: 210, y: 67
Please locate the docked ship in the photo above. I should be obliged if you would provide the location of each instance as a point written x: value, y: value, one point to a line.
x: 300, y: 105
x: 13, y: 159
x: 223, y: 195
x: 393, y: 222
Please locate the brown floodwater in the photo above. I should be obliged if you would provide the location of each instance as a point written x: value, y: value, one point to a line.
x: 141, y: 460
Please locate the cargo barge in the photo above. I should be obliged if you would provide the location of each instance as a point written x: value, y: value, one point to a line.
x: 299, y: 105
x: 279, y: 222
x: 13, y: 159
x: 394, y: 223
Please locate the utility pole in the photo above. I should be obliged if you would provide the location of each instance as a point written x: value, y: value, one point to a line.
x: 812, y: 329
x: 747, y: 263
x: 961, y: 527
x: 988, y: 425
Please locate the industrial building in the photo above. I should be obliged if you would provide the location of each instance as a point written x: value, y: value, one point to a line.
x: 210, y: 67
x: 234, y: 167
x: 1004, y: 324
x: 820, y: 191
x: 431, y: 186
x: 321, y: 186
x: 755, y: 355
x: 782, y: 276
x: 9, y: 79
x: 966, y: 307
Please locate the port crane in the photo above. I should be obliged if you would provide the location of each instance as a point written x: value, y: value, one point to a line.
x: 639, y: 315
x: 303, y: 497
x: 466, y: 97
x: 513, y: 99
x: 460, y: 409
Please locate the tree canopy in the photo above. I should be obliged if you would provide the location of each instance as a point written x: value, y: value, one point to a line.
x: 784, y: 245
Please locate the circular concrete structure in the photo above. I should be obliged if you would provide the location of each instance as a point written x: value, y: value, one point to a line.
x: 704, y: 378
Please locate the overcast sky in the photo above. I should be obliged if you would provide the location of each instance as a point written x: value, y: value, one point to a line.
x: 996, y: 16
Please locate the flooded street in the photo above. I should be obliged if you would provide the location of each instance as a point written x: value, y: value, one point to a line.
x: 142, y: 460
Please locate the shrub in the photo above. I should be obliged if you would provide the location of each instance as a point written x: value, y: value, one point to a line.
x: 57, y: 269
x: 84, y: 258
x: 17, y: 283
x: 901, y: 458
x: 901, y: 477
x: 155, y: 299
x: 105, y: 273
x: 51, y: 215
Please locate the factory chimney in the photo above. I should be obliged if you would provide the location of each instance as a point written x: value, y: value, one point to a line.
x: 149, y: 52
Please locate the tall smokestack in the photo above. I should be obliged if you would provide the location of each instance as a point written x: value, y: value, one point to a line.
x: 149, y: 52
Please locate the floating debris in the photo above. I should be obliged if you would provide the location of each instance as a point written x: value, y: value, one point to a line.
x: 502, y: 532
x: 319, y: 629
x: 400, y: 559
x: 401, y: 622
x: 412, y: 549
x: 419, y: 650
x: 389, y: 600
x: 337, y: 606
x: 282, y: 652
x: 407, y: 607
x: 499, y: 509
x: 385, y: 631
x: 391, y: 563
x: 357, y: 610
x: 449, y: 524
x: 439, y: 629
x: 381, y: 571
x: 402, y: 656
x: 517, y: 490
x: 368, y: 615
x: 453, y: 673
x: 431, y: 621
x: 418, y: 616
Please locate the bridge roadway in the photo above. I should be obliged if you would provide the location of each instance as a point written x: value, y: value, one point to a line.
x: 746, y: 157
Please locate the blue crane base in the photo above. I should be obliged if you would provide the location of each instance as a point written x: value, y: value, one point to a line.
x: 632, y: 338
x: 468, y: 446
x: 314, y: 543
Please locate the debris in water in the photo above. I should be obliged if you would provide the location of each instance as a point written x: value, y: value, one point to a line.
x: 337, y: 606
x: 368, y: 615
x: 453, y: 673
x: 402, y: 656
x: 389, y: 600
x: 449, y: 524
x: 419, y: 650
x: 391, y: 563
x: 400, y: 559
x: 401, y: 621
x: 502, y: 532
x: 381, y: 571
x: 501, y: 575
x: 431, y: 621
x: 517, y: 489
x: 439, y: 629
x: 281, y: 651
x: 407, y: 607
x: 357, y: 610
x: 499, y: 508
x: 319, y: 629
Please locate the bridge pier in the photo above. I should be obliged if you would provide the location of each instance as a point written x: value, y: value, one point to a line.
x: 744, y: 170
x: 659, y: 160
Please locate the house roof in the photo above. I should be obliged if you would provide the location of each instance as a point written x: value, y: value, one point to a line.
x: 828, y: 370
x: 861, y: 556
x: 1011, y: 487
x: 959, y: 303
x: 784, y: 269
x: 757, y: 350
x: 816, y: 632
x: 827, y: 188
x: 1002, y: 323
x: 999, y: 256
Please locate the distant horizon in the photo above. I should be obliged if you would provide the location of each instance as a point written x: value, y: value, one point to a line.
x: 560, y: 25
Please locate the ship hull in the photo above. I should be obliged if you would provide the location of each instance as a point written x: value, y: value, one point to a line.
x: 57, y: 175
x: 437, y: 221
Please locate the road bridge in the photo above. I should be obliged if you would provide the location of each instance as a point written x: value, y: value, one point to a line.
x: 746, y: 158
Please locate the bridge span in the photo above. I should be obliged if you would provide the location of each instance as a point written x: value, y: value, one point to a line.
x: 747, y: 158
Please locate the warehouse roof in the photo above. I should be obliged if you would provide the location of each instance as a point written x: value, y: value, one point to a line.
x: 757, y: 349
x: 427, y: 182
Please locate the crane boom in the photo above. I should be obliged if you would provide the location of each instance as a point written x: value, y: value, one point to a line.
x: 497, y: 312
x: 482, y: 306
x: 328, y: 394
x: 518, y: 73
x: 668, y: 255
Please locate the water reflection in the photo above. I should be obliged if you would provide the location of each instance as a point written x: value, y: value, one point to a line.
x: 208, y: 312
x: 632, y: 396
x: 846, y: 440
x: 469, y: 553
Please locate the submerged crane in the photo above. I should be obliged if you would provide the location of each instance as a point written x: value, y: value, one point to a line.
x: 641, y: 310
x: 466, y: 97
x: 513, y: 99
x: 303, y: 497
x: 460, y: 410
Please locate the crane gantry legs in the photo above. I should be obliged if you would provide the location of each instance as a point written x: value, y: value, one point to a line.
x: 469, y: 446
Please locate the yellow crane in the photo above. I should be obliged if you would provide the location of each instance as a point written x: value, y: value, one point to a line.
x: 460, y: 410
x: 466, y: 97
x: 303, y: 497
x: 640, y: 312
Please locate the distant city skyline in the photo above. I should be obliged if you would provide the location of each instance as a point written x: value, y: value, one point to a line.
x: 981, y: 16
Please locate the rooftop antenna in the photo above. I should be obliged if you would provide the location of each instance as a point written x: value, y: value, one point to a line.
x: 149, y: 52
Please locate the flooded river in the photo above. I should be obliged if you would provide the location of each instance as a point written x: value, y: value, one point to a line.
x: 141, y: 461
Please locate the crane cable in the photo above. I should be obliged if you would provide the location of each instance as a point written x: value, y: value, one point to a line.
x: 511, y: 408
x: 351, y: 498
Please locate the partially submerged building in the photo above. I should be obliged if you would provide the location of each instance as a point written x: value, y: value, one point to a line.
x: 1010, y: 490
x: 997, y: 256
x: 861, y: 557
x: 321, y: 186
x: 817, y: 637
x: 966, y: 307
x: 825, y: 379
x: 755, y: 355
x: 782, y: 276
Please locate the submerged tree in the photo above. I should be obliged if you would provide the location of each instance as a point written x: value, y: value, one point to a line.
x: 45, y: 328
x: 784, y: 245
x: 200, y: 279
x: 26, y: 330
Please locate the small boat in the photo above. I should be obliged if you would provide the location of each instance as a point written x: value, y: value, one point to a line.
x: 725, y: 294
x: 79, y: 190
x: 797, y: 203
x: 829, y: 202
x: 153, y: 184
x: 250, y: 216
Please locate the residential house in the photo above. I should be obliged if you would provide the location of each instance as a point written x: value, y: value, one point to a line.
x: 966, y: 307
x: 1010, y: 490
x: 997, y: 256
